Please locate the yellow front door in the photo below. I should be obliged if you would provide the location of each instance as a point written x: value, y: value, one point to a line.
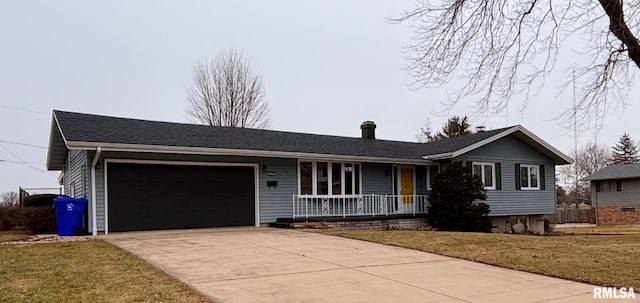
x: 406, y: 184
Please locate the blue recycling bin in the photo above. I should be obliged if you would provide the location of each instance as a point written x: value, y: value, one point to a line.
x: 69, y: 212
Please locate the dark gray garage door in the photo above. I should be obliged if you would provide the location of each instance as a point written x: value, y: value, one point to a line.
x: 153, y: 196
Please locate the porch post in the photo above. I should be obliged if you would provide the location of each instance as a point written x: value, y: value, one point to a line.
x: 373, y: 203
x: 293, y: 201
x: 386, y: 209
x: 414, y: 204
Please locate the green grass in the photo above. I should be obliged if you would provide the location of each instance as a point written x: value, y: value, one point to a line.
x: 9, y: 236
x: 87, y: 271
x: 598, y: 258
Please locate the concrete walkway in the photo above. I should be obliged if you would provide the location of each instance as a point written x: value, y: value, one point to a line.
x: 279, y: 265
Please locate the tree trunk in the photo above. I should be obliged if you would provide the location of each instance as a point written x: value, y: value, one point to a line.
x: 619, y: 28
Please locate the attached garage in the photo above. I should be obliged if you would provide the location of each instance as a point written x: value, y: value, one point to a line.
x: 152, y: 195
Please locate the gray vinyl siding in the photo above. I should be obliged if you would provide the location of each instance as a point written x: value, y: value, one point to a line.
x: 75, y: 174
x: 628, y: 196
x: 376, y: 179
x: 273, y: 203
x: 510, y: 151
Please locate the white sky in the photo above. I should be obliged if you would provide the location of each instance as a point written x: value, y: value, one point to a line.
x: 327, y: 66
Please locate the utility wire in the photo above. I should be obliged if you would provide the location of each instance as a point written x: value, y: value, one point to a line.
x: 25, y: 109
x: 16, y: 162
x: 22, y: 144
x: 25, y: 163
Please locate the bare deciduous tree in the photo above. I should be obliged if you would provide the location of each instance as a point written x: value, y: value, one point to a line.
x: 589, y: 159
x: 507, y: 47
x: 226, y: 92
x: 9, y: 198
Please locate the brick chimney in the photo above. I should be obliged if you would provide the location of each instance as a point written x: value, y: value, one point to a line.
x: 368, y: 130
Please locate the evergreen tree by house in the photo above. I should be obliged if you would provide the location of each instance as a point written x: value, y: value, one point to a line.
x: 625, y: 151
x: 456, y: 126
x: 451, y: 201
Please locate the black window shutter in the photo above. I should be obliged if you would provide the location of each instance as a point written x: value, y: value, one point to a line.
x: 498, y: 173
x: 598, y: 189
x: 469, y: 165
x: 618, y: 185
x: 518, y: 177
x: 542, y: 177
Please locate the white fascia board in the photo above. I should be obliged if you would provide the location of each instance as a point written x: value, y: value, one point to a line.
x: 57, y: 125
x: 495, y: 137
x: 545, y: 144
x: 235, y: 152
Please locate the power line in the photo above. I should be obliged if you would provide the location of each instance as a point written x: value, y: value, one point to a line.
x: 16, y: 162
x: 24, y: 162
x: 22, y: 144
x: 24, y: 109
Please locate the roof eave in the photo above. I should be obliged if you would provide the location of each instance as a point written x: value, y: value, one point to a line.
x: 57, y: 142
x: 238, y: 152
x: 558, y: 157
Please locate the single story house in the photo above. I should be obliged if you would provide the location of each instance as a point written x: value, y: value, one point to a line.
x: 144, y: 175
x: 615, y: 194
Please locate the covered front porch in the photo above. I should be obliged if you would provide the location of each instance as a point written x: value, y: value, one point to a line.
x: 306, y: 206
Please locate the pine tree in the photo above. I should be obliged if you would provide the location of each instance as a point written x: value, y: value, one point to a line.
x: 455, y: 127
x: 625, y: 151
x: 452, y: 199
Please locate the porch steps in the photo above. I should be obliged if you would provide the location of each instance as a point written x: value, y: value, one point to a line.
x: 399, y: 221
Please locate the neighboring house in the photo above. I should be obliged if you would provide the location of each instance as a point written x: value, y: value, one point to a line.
x: 615, y: 193
x: 141, y: 175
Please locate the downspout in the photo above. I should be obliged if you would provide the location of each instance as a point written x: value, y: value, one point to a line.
x: 94, y: 220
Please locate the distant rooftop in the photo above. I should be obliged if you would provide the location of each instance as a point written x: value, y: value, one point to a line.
x: 620, y: 171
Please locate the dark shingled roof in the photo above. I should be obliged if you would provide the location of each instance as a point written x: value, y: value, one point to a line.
x: 620, y: 171
x: 77, y: 127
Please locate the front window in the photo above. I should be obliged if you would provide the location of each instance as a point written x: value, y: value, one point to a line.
x: 530, y: 176
x: 329, y: 178
x: 305, y: 178
x: 486, y: 172
x: 322, y: 177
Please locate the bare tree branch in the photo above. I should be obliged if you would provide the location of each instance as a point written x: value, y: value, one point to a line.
x: 504, y: 48
x: 226, y: 92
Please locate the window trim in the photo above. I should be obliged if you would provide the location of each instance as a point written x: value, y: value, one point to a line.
x: 314, y: 178
x: 528, y: 167
x: 493, y: 173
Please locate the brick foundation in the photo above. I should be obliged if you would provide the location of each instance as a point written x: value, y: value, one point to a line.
x: 613, y: 215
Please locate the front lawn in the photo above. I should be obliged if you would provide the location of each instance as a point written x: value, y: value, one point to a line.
x: 9, y: 236
x: 87, y: 271
x: 603, y: 257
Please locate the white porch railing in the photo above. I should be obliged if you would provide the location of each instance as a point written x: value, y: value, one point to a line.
x: 357, y: 205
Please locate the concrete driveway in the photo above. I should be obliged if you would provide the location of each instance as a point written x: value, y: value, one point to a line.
x: 279, y: 265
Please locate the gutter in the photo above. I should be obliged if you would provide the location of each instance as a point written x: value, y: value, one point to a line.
x: 94, y: 220
x: 119, y: 147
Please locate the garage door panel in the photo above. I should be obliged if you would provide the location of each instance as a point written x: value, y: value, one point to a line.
x: 153, y: 196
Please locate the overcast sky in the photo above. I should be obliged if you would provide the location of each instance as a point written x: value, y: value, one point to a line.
x: 327, y: 66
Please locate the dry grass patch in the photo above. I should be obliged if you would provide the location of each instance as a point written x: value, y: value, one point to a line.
x: 90, y: 271
x: 602, y: 230
x: 607, y: 260
x: 10, y: 236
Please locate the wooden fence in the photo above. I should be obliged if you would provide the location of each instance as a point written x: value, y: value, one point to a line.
x: 572, y: 215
